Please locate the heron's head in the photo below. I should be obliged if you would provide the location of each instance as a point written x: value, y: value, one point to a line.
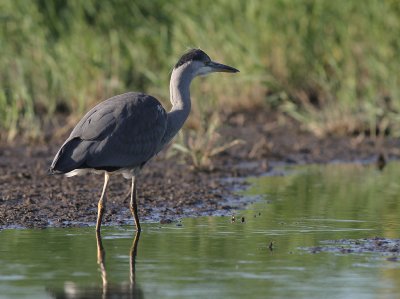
x: 201, y: 64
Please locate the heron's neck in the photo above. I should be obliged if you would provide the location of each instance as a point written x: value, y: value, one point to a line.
x: 180, y: 99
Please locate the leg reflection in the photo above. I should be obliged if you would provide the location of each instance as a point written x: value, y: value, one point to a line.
x: 101, y: 254
x: 133, y: 290
x: 132, y: 261
x: 110, y: 289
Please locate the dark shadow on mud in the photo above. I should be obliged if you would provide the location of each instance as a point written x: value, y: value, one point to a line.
x: 127, y: 289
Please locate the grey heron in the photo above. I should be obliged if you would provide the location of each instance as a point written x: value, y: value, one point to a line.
x: 122, y: 133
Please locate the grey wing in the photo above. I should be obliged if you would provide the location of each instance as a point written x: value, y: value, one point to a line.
x: 123, y: 131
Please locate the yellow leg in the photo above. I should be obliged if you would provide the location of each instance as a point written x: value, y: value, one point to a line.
x: 133, y: 204
x: 102, y: 203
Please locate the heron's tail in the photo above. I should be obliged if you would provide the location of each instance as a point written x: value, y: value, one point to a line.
x: 65, y: 160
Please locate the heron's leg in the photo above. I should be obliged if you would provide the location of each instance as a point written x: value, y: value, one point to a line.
x: 102, y: 202
x: 133, y: 204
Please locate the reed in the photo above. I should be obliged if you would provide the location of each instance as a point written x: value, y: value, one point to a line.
x: 333, y: 65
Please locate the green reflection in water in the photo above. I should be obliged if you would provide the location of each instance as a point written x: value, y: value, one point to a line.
x: 211, y: 257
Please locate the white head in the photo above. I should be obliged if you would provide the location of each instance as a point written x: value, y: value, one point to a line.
x: 200, y: 64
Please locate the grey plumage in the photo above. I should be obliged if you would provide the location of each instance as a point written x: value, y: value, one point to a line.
x: 122, y: 133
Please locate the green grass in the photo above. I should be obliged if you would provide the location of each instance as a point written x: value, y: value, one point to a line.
x: 333, y: 65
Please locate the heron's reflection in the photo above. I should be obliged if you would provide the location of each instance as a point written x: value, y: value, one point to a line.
x: 113, y: 290
x: 108, y: 290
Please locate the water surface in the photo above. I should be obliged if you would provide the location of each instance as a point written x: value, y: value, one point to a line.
x: 211, y: 257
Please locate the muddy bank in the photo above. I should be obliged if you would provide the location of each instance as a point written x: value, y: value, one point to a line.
x: 169, y: 189
x: 386, y: 247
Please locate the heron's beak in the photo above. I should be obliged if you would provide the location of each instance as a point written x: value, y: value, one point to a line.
x: 219, y: 67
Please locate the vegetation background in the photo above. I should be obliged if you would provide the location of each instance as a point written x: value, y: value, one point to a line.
x: 332, y: 65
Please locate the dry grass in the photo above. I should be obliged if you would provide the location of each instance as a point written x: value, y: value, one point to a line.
x: 200, y: 146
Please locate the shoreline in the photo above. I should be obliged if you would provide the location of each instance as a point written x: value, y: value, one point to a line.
x: 168, y: 188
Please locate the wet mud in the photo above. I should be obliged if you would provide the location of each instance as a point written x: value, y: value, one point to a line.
x: 390, y: 248
x: 168, y: 187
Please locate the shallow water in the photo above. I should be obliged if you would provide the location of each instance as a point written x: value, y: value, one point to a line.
x: 211, y: 257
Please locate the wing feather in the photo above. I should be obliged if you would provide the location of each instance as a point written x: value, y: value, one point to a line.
x: 122, y: 132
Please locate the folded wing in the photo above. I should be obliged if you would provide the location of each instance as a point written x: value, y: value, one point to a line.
x: 124, y: 131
